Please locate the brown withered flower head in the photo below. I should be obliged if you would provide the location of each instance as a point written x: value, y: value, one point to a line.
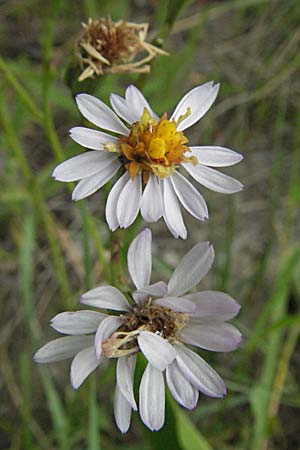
x: 112, y: 47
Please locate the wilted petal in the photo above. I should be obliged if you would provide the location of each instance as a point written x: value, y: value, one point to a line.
x: 152, y: 202
x: 214, y: 305
x: 199, y: 373
x: 198, y: 100
x: 214, y: 336
x: 62, y: 348
x: 213, y: 179
x: 84, y: 363
x: 139, y: 259
x: 189, y: 197
x: 83, y: 166
x: 181, y: 389
x: 216, y: 156
x: 112, y: 201
x: 158, y: 289
x: 100, y: 114
x: 129, y: 202
x: 105, y: 330
x: 193, y: 267
x: 122, y: 411
x: 152, y: 398
x: 89, y: 185
x: 179, y: 304
x: 125, y: 376
x: 89, y: 138
x: 106, y: 297
x: 156, y: 349
x: 77, y: 322
x: 172, y: 212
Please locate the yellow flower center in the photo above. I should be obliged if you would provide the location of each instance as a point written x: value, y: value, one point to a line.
x: 153, y: 146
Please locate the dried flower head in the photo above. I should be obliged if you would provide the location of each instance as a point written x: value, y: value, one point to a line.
x: 111, y: 47
x: 157, y: 320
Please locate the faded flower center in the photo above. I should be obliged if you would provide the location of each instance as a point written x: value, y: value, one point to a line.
x: 149, y: 317
x: 154, y: 146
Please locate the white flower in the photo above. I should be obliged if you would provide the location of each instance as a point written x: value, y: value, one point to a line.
x: 157, y: 322
x: 148, y: 151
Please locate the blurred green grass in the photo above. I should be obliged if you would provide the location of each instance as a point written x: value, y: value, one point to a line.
x: 54, y: 249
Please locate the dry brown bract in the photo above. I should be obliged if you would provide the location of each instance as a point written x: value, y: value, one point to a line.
x: 111, y: 47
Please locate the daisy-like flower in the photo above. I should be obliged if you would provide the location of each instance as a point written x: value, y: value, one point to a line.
x: 148, y: 152
x: 157, y: 321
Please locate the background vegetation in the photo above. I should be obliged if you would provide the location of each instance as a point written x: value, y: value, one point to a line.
x: 54, y: 249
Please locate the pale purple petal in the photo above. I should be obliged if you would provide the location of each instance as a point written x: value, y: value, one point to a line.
x: 84, y: 363
x: 152, y: 398
x: 214, y: 336
x: 139, y: 259
x: 192, y: 268
x: 216, y: 156
x: 213, y: 179
x: 105, y: 330
x: 214, y: 305
x: 125, y: 376
x: 181, y: 389
x: 152, y: 202
x: 83, y: 166
x: 179, y: 304
x: 189, y: 197
x: 100, y: 114
x: 89, y: 185
x: 136, y: 102
x: 112, y: 201
x: 62, y: 348
x: 172, y: 212
x: 158, y: 289
x: 89, y: 138
x: 156, y: 349
x: 198, y: 100
x: 129, y: 202
x: 77, y: 322
x: 199, y: 373
x: 106, y: 297
x: 122, y: 411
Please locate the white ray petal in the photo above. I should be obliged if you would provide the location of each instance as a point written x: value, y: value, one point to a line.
x: 106, y: 297
x: 179, y: 304
x: 125, y: 376
x: 120, y: 106
x: 89, y: 185
x: 112, y: 201
x: 105, y: 330
x: 139, y: 259
x: 122, y: 411
x: 152, y: 201
x: 181, y: 389
x: 213, y: 179
x: 199, y: 100
x: 84, y: 363
x: 192, y: 268
x: 129, y: 202
x: 158, y: 289
x: 172, y: 212
x: 215, y: 336
x: 100, y: 114
x: 152, y: 398
x: 189, y: 197
x: 90, y: 138
x: 137, y: 102
x: 213, y: 305
x: 156, y: 349
x: 83, y: 166
x: 199, y: 373
x: 77, y: 322
x: 62, y: 348
x: 216, y: 156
